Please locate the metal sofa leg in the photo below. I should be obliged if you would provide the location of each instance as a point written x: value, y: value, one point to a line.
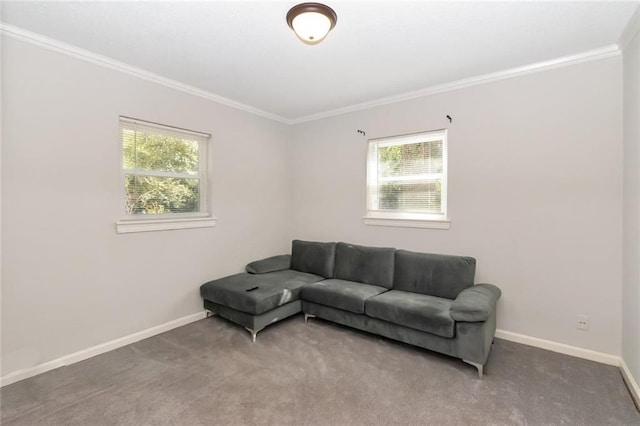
x: 254, y: 333
x: 307, y: 316
x: 210, y: 313
x: 480, y: 367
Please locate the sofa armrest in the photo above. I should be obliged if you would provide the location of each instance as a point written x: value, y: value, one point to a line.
x: 476, y: 303
x: 270, y: 264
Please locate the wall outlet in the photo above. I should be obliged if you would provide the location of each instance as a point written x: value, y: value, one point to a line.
x: 583, y: 322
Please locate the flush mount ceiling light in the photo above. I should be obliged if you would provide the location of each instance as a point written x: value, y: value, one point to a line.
x: 311, y: 21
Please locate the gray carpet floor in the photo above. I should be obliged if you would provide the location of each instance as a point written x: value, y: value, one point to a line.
x: 209, y: 372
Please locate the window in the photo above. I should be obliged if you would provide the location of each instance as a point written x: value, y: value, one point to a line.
x: 407, y: 181
x: 164, y: 171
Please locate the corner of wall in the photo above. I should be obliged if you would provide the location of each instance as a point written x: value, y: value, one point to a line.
x: 630, y: 355
x: 630, y: 31
x: 632, y: 385
x: 1, y: 127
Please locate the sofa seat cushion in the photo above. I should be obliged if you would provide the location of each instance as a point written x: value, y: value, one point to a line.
x: 273, y: 289
x: 418, y: 311
x: 346, y: 295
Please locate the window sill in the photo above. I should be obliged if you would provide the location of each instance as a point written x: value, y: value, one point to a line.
x: 406, y: 221
x: 127, y: 226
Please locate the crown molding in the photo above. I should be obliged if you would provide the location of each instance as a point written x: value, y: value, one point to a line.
x: 85, y: 55
x: 591, y: 55
x: 630, y: 30
x: 104, y: 61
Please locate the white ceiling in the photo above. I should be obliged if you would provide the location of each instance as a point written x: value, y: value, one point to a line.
x: 244, y: 51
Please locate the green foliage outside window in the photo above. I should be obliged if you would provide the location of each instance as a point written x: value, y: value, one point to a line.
x: 158, y: 172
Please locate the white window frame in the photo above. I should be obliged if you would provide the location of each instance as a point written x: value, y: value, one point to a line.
x: 378, y: 217
x: 142, y: 223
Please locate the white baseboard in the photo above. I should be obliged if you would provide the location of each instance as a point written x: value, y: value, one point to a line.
x: 577, y: 352
x: 601, y: 357
x: 634, y: 389
x: 562, y: 348
x: 16, y: 376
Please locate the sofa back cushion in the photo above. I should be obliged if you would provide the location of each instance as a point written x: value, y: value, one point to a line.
x: 313, y: 257
x: 433, y: 274
x: 369, y: 265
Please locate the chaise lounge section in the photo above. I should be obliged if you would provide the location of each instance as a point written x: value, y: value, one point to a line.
x: 426, y: 300
x: 270, y: 289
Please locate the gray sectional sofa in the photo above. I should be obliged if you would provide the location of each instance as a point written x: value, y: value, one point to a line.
x: 426, y: 300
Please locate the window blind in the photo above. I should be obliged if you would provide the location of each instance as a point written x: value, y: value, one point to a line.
x: 408, y: 173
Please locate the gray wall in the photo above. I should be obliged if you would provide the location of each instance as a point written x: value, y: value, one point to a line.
x: 535, y: 192
x: 69, y: 281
